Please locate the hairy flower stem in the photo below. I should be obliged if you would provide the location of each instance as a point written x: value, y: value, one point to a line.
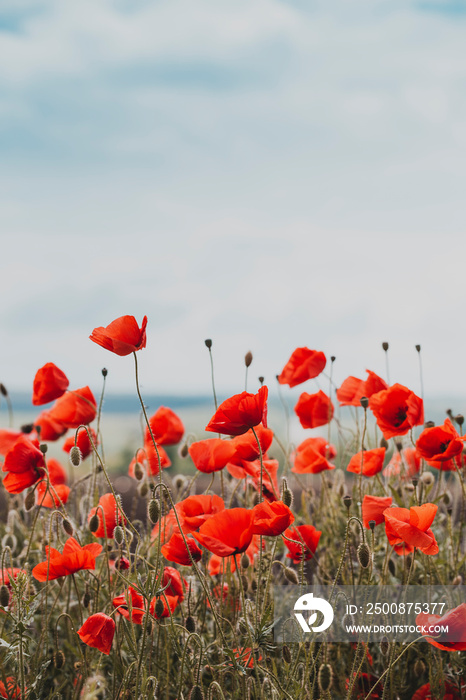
x: 393, y: 663
x: 362, y: 460
x: 261, y: 498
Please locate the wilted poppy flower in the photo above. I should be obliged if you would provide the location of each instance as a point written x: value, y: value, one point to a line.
x: 24, y: 465
x: 166, y: 427
x: 303, y: 364
x: 130, y: 600
x: 107, y: 519
x: 412, y: 527
x: 48, y: 427
x: 175, y: 550
x: 372, y: 462
x: 123, y: 336
x: 82, y: 442
x: 439, y: 443
x: 396, y: 409
x: 454, y: 620
x: 314, y: 409
x: 373, y: 508
x: 74, y: 558
x: 270, y: 488
x: 246, y: 447
x: 98, y: 632
x: 240, y: 413
x: 308, y: 535
x: 353, y: 389
x: 312, y: 456
x: 228, y: 532
x: 425, y: 692
x: 10, y: 690
x: 75, y: 408
x: 49, y: 384
x: 212, y: 455
x: 271, y: 519
x: 195, y: 510
x: 407, y: 463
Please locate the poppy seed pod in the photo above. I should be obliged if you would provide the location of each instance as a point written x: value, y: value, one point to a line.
x: 3, y: 390
x: 325, y: 677
x: 385, y: 346
x: 30, y: 500
x: 261, y: 380
x: 4, y: 596
x: 383, y: 443
x: 153, y: 511
x: 159, y: 607
x: 384, y: 646
x: 418, y: 348
x: 208, y: 343
x: 104, y: 372
x: 118, y: 534
x: 372, y: 524
x: 94, y: 523
x: 459, y: 419
x: 138, y: 471
x: 429, y: 424
x: 364, y: 401
x: 43, y: 447
x: 190, y: 624
x: 332, y: 358
x: 59, y: 659
x: 347, y: 500
x: 364, y: 555
x: 75, y: 456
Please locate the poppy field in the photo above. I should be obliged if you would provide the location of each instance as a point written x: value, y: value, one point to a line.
x: 169, y: 594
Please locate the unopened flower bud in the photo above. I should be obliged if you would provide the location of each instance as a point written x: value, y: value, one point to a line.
x: 409, y: 488
x: 384, y: 646
x: 86, y: 599
x: 143, y: 489
x: 27, y: 428
x: 208, y: 343
x: 429, y: 424
x: 391, y: 567
x: 286, y: 653
x: 364, y: 555
x: 427, y: 479
x: 385, y: 346
x: 325, y: 677
x: 159, y: 607
x: 10, y: 541
x: 245, y: 582
x: 153, y: 511
x: 332, y: 358
x: 68, y: 528
x: 4, y: 596
x: 415, y: 481
x: 190, y: 624
x: 138, y: 471
x: 291, y: 575
x: 75, y: 456
x: 119, y: 535
x: 184, y: 450
x: 59, y: 659
x: 248, y: 359
x: 94, y: 523
x: 3, y: 390
x: 364, y: 401
x: 347, y: 500
x: 29, y: 500
x: 457, y: 581
x: 245, y: 562
x: 43, y: 447
x: 372, y: 524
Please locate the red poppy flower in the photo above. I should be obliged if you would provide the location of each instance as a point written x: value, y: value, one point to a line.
x: 49, y: 384
x: 454, y: 620
x: 314, y: 409
x: 212, y: 455
x: 10, y: 690
x: 75, y: 408
x: 25, y: 465
x: 82, y: 442
x: 439, y: 443
x: 53, y: 497
x: 9, y: 437
x: 407, y: 464
x: 168, y: 526
x: 240, y: 413
x: 425, y: 692
x: 123, y: 336
x: 246, y: 447
x: 271, y: 519
x: 270, y: 488
x: 175, y: 550
x: 372, y: 462
x: 177, y: 586
x: 98, y: 632
x: 107, y: 519
x: 228, y: 532
x: 245, y: 657
x: 195, y: 510
x: 303, y: 364
x: 308, y: 535
x: 48, y: 427
x: 353, y: 389
x: 396, y: 409
x: 217, y: 565
x: 312, y: 456
x: 412, y: 527
x: 74, y: 558
x: 166, y: 427
x: 373, y: 508
x: 131, y: 599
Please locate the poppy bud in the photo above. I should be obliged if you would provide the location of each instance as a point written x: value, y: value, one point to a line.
x: 419, y: 668
x: 254, y: 584
x: 415, y: 481
x: 364, y: 555
x: 68, y: 528
x: 4, y: 596
x: 248, y: 359
x: 286, y: 653
x: 245, y: 582
x: 287, y: 497
x: 427, y: 479
x: 153, y: 511
x: 184, y: 450
x: 372, y: 524
x: 459, y: 419
x: 104, y: 371
x: 86, y: 599
x: 364, y: 401
x: 59, y: 659
x: 94, y: 523
x: 325, y: 677
x: 385, y: 346
x: 383, y: 443
x: 143, y: 489
x: 261, y: 380
x: 245, y: 561
x: 391, y: 567
x: 118, y: 534
x: 190, y: 624
x: 30, y: 500
x: 159, y: 607
x: 457, y: 581
x: 409, y: 488
x: 384, y: 646
x: 43, y: 448
x: 179, y: 481
x: 75, y: 456
x: 196, y: 693
x: 208, y: 343
x: 347, y: 500
x: 291, y: 575
x: 138, y: 471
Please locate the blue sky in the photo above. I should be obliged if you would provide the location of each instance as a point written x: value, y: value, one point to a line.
x: 268, y: 174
